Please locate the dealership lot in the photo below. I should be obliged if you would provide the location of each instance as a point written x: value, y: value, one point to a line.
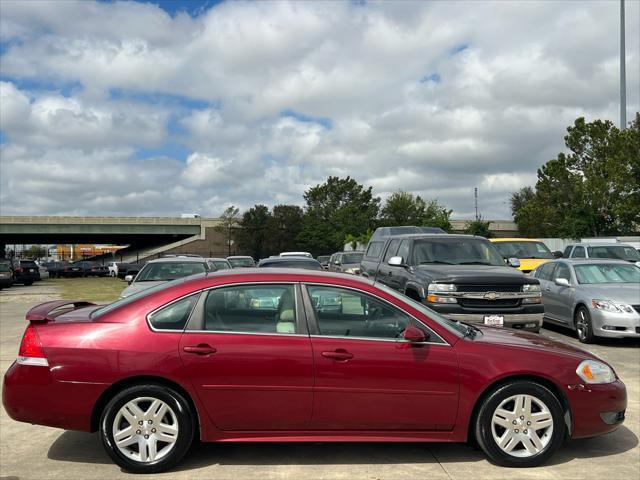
x: 39, y: 452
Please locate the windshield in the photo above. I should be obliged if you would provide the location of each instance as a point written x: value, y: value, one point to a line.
x: 352, y: 257
x: 614, y: 251
x: 607, y: 273
x: 456, y: 251
x: 523, y: 250
x: 241, y: 262
x: 163, y: 271
x: 451, y: 325
x: 220, y: 265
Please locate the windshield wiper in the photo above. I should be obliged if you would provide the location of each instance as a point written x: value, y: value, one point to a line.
x: 437, y: 261
x: 475, y: 263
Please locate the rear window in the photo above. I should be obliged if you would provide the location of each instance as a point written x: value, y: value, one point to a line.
x: 374, y: 249
x: 163, y: 271
x: 28, y: 263
x: 305, y: 264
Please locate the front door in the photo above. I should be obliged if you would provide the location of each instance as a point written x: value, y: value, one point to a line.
x: 367, y: 376
x: 249, y: 357
x: 559, y: 297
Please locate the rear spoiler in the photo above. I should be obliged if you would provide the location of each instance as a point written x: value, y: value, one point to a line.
x: 44, y: 311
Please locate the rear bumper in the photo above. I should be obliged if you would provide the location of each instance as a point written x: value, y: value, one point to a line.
x: 30, y: 394
x: 597, y: 409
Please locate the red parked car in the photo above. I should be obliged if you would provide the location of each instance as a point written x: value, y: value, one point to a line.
x: 293, y: 355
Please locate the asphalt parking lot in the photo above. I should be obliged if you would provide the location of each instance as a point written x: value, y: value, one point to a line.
x: 35, y: 452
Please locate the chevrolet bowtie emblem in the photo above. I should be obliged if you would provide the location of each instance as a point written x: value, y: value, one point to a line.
x: 491, y: 295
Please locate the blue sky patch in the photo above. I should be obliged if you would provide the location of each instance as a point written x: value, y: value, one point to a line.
x: 176, y: 151
x: 459, y: 48
x: 433, y: 78
x: 161, y: 99
x: 174, y: 7
x: 326, y: 122
x: 65, y: 88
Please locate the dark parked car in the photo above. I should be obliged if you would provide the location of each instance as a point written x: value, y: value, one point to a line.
x: 346, y: 262
x: 92, y: 269
x: 6, y: 274
x: 290, y: 262
x: 55, y: 269
x: 25, y: 272
x: 299, y: 356
x: 462, y: 277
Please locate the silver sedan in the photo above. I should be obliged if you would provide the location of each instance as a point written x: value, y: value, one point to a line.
x: 596, y: 298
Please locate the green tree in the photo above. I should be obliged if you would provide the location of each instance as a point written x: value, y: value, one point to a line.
x: 334, y: 209
x: 284, y: 226
x: 592, y: 190
x: 252, y: 234
x: 228, y: 222
x: 478, y: 227
x: 404, y: 208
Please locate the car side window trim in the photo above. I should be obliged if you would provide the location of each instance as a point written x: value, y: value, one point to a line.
x: 314, y: 331
x: 168, y: 304
x: 195, y: 324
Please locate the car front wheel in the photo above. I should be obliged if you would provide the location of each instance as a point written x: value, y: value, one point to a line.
x: 147, y: 428
x: 520, y: 425
x: 584, y: 327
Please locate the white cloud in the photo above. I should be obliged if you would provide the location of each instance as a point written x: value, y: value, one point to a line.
x: 504, y: 81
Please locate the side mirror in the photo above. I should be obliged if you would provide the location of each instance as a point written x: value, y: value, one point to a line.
x: 396, y: 262
x: 562, y: 282
x: 337, y: 262
x: 557, y: 254
x: 128, y: 279
x: 414, y: 334
x: 513, y: 262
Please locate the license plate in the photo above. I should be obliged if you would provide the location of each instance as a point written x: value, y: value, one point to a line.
x: 494, y: 320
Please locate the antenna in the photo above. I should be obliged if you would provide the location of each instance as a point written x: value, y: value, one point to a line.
x: 475, y: 194
x: 623, y: 74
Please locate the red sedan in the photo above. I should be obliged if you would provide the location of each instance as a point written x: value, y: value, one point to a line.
x: 283, y: 355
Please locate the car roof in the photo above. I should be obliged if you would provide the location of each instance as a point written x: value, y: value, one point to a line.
x: 599, y: 244
x: 436, y: 236
x: 178, y: 259
x: 217, y: 259
x: 280, y: 274
x: 288, y: 259
x: 239, y: 256
x: 592, y: 261
x: 513, y: 239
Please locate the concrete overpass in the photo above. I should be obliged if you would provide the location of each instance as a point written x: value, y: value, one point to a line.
x: 145, y: 235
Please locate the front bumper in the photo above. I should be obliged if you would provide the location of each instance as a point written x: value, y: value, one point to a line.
x: 615, y: 325
x: 520, y: 321
x: 596, y: 409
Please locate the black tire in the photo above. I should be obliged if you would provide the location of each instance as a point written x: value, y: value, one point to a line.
x: 584, y: 326
x: 185, y: 420
x: 29, y: 283
x: 484, y: 431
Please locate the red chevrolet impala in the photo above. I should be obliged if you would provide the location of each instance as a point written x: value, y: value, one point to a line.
x: 286, y: 355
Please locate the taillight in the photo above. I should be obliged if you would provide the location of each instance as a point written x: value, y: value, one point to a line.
x: 31, y: 352
x: 18, y: 269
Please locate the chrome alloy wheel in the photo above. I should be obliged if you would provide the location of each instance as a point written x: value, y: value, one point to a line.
x: 145, y: 429
x: 522, y: 426
x: 582, y: 325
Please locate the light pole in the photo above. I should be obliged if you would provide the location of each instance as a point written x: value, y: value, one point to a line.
x: 623, y: 73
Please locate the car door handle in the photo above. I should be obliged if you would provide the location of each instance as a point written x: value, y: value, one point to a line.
x: 548, y: 289
x: 338, y: 355
x: 201, y: 349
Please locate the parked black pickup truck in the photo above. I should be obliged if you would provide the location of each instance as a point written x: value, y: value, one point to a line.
x: 461, y: 277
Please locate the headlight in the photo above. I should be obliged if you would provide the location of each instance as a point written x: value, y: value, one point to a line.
x: 435, y: 288
x: 592, y: 371
x: 531, y: 287
x: 610, y: 306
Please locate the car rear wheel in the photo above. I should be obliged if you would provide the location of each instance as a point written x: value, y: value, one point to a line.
x: 147, y: 428
x: 584, y: 327
x: 520, y: 425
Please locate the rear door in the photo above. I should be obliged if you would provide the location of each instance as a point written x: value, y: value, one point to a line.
x: 386, y: 271
x: 249, y: 356
x: 367, y: 376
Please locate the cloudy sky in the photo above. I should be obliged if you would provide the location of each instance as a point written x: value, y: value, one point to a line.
x: 159, y: 108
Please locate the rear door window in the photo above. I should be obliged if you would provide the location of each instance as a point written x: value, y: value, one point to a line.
x: 578, y: 252
x: 374, y: 249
